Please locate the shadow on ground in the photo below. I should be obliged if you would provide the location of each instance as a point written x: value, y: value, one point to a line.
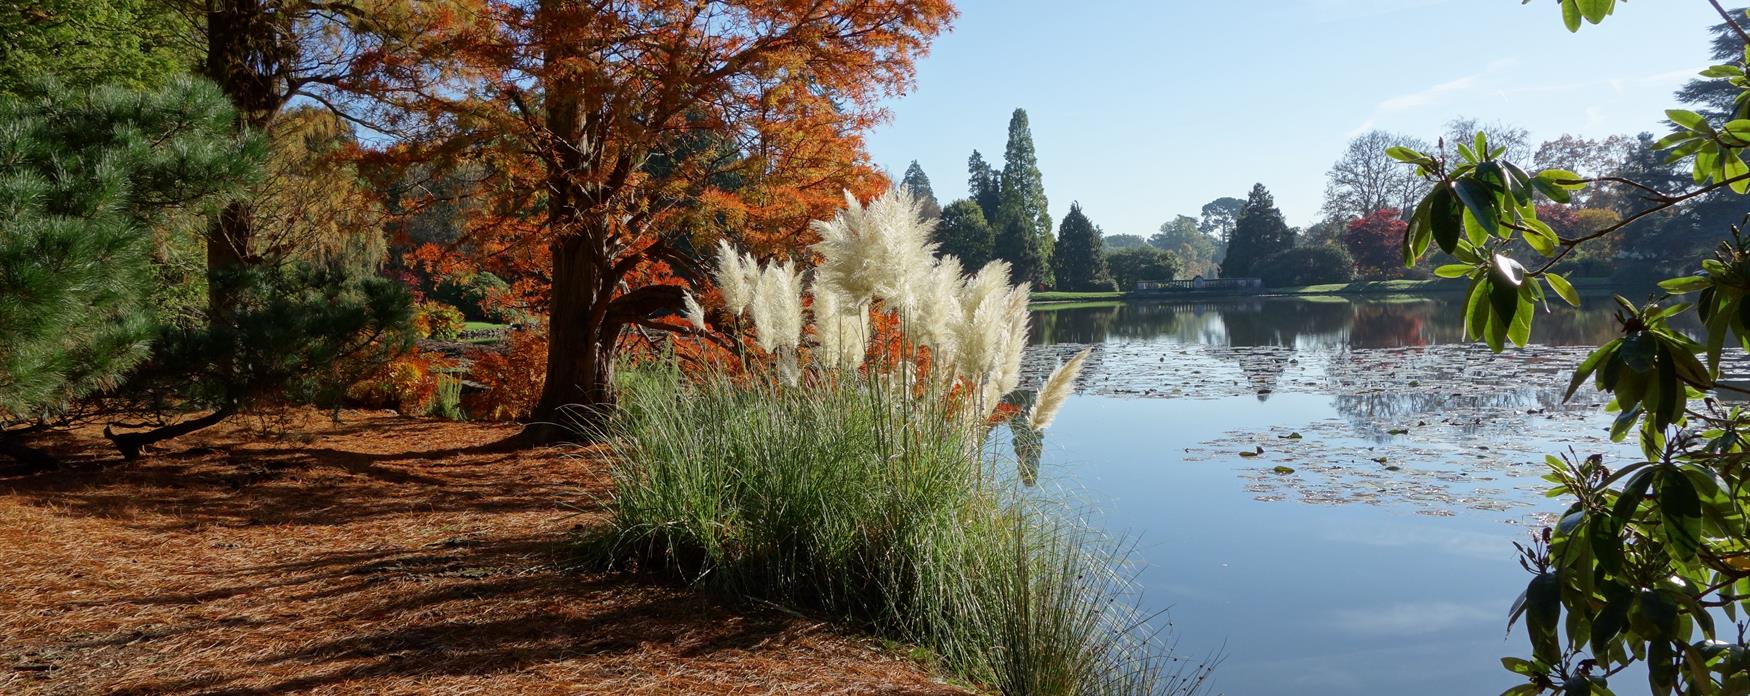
x: 379, y: 555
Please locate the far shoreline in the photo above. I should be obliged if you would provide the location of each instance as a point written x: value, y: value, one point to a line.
x: 1420, y: 288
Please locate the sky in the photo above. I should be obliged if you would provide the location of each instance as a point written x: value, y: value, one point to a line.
x: 1146, y: 109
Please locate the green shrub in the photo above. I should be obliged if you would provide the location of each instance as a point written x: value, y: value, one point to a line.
x: 1308, y: 265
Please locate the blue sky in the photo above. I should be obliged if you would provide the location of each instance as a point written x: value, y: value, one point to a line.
x: 1142, y: 110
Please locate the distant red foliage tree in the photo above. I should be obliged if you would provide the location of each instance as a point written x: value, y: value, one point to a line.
x: 1375, y: 242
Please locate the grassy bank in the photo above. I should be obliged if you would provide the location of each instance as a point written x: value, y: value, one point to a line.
x: 885, y: 512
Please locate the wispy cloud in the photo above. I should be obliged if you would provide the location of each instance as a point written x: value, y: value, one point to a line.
x: 1433, y: 94
x: 1405, y: 102
x: 1617, y: 85
x: 1332, y: 10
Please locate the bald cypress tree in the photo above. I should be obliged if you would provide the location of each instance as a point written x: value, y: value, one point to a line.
x: 1079, y: 263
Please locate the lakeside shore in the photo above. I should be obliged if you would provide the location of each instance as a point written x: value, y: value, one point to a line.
x: 1429, y: 287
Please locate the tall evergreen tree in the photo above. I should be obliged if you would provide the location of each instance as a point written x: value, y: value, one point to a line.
x: 984, y: 185
x: 1079, y: 263
x: 1258, y: 232
x: 1716, y: 97
x: 917, y: 183
x: 1023, y: 191
x: 965, y: 234
x: 89, y: 176
x: 1014, y: 244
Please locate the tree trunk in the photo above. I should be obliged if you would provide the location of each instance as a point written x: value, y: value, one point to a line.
x: 246, y: 50
x: 580, y: 349
x: 243, y: 48
x: 132, y: 444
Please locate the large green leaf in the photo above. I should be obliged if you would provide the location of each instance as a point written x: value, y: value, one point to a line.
x: 1563, y: 288
x: 1596, y: 10
x: 1480, y: 201
x: 1445, y: 217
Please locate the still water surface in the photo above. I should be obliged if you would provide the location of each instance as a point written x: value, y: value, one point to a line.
x: 1383, y: 563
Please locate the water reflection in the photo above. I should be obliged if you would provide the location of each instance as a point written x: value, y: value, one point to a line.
x: 1322, y: 323
x: 1365, y: 474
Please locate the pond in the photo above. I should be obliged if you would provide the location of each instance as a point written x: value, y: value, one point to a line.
x: 1326, y: 491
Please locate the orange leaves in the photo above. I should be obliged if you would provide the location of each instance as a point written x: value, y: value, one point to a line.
x: 613, y: 134
x: 408, y: 384
x: 511, y: 379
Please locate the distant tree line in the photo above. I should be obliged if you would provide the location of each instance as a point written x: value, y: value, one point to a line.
x: 1367, y: 194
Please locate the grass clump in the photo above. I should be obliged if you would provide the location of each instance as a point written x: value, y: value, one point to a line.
x: 840, y: 499
x: 842, y: 466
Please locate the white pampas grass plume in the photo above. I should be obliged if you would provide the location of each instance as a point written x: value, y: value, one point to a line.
x: 789, y: 368
x: 1056, y: 390
x: 841, y: 329
x: 736, y: 276
x: 878, y: 251
x: 933, y: 320
x: 984, y: 333
x: 1012, y: 338
x: 695, y: 313
x: 777, y: 307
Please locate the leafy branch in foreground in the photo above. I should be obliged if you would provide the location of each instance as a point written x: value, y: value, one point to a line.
x: 1650, y: 562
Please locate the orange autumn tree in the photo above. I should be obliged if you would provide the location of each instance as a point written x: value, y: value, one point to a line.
x: 622, y: 136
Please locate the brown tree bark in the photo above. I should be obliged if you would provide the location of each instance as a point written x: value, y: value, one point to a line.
x: 248, y: 43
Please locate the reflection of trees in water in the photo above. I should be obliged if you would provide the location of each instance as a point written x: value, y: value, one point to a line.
x: 1394, y: 325
x: 1137, y: 320
x: 1029, y: 444
x: 1374, y: 413
x: 1288, y: 323
x: 1327, y: 323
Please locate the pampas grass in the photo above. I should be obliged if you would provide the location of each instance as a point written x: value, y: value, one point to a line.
x: 847, y: 502
x: 694, y: 312
x: 1056, y: 390
x: 736, y: 277
x: 864, y: 491
x: 777, y: 307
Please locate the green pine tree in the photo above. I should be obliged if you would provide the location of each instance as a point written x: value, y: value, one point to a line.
x: 965, y: 234
x: 88, y: 175
x: 1023, y: 195
x: 1015, y: 244
x: 984, y: 185
x: 1258, y: 232
x: 917, y: 183
x: 1079, y: 262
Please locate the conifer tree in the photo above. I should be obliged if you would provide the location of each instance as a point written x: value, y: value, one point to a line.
x: 984, y: 186
x: 1015, y: 244
x: 917, y: 183
x: 1023, y: 194
x: 965, y: 234
x: 88, y: 176
x: 1258, y: 232
x: 1079, y: 263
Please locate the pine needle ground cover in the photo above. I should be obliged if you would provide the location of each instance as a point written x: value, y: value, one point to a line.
x: 341, y: 560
